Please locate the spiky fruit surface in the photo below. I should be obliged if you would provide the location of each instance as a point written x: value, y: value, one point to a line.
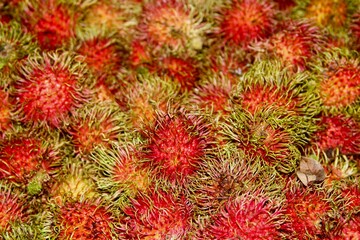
x: 176, y: 145
x: 296, y: 43
x: 171, y: 24
x: 50, y: 86
x: 246, y: 21
x: 158, y: 215
x: 11, y: 209
x: 355, y: 30
x: 308, y: 212
x: 5, y: 111
x: 246, y: 217
x: 51, y: 22
x: 95, y: 124
x: 83, y: 221
x: 338, y: 132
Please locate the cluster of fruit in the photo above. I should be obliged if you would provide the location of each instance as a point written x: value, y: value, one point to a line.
x: 179, y: 119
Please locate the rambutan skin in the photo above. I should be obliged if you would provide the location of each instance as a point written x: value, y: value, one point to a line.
x: 247, y: 21
x: 50, y: 86
x: 177, y: 145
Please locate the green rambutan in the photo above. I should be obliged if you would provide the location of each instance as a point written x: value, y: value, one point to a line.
x: 296, y: 43
x: 176, y: 145
x: 50, y: 86
x: 172, y: 25
x: 149, y: 95
x: 338, y: 132
x: 156, y: 215
x: 120, y: 173
x: 265, y: 137
x: 53, y: 23
x: 15, y: 45
x: 248, y: 216
x: 96, y: 123
x: 246, y: 21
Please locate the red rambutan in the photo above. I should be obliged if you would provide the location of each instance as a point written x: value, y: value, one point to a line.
x: 157, y: 215
x: 246, y: 217
x: 52, y: 23
x: 246, y: 21
x: 176, y: 145
x: 50, y: 86
x: 338, y: 132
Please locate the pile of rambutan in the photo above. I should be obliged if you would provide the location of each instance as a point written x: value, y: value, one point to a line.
x: 179, y: 119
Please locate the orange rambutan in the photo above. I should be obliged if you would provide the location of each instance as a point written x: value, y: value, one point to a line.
x: 177, y: 144
x: 246, y: 21
x: 50, y: 86
x: 53, y: 23
x: 156, y: 215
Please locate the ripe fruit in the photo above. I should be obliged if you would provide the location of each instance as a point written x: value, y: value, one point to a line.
x: 52, y: 22
x: 246, y: 21
x: 5, y: 111
x: 246, y: 217
x: 157, y: 215
x: 50, y: 86
x: 176, y: 145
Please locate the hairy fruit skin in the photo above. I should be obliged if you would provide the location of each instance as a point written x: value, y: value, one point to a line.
x: 247, y: 21
x: 158, y: 215
x: 11, y: 209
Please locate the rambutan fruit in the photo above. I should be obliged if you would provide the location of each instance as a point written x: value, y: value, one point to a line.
x: 116, y: 16
x: 29, y: 153
x: 11, y: 209
x: 140, y: 55
x: 350, y: 229
x: 94, y: 124
x: 5, y: 111
x: 338, y: 132
x: 83, y: 220
x: 176, y: 145
x: 183, y: 71
x: 308, y: 212
x: 296, y: 43
x: 120, y: 173
x: 338, y: 80
x: 102, y: 54
x: 248, y: 216
x: 156, y: 215
x: 53, y: 23
x: 212, y: 94
x: 14, y: 45
x: 355, y: 30
x: 172, y: 25
x: 149, y: 95
x: 50, y: 86
x: 285, y: 5
x: 246, y: 21
x: 265, y: 137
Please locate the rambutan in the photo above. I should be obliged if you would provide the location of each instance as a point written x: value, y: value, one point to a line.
x: 156, y: 215
x: 81, y: 220
x: 5, y: 111
x: 149, y: 95
x: 14, y: 45
x: 338, y: 132
x: 176, y: 145
x: 95, y: 124
x: 183, y: 71
x: 172, y: 25
x: 308, y: 213
x: 28, y: 154
x: 350, y: 230
x: 265, y: 137
x: 50, y: 86
x: 355, y: 30
x: 121, y: 174
x: 53, y: 23
x: 296, y: 43
x: 246, y: 21
x: 11, y: 209
x: 246, y: 217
